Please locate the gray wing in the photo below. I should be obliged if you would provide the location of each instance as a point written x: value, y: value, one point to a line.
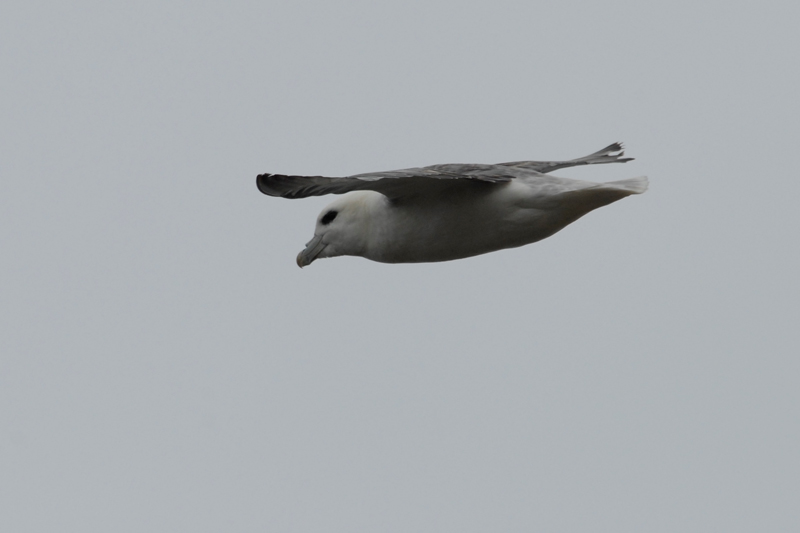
x: 606, y: 155
x: 394, y: 183
x: 424, y: 180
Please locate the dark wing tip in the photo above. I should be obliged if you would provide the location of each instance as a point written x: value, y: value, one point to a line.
x: 277, y: 185
x: 296, y: 186
x: 262, y: 182
x: 614, y: 151
x: 610, y: 149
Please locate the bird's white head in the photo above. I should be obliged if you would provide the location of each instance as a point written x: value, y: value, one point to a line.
x: 343, y: 227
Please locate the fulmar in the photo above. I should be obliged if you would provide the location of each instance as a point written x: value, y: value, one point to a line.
x: 450, y: 211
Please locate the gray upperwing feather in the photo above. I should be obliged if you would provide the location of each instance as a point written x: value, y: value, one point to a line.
x: 424, y: 180
x: 393, y: 183
x: 606, y: 155
x: 304, y: 186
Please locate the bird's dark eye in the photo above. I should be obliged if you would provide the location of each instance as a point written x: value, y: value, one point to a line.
x: 328, y: 217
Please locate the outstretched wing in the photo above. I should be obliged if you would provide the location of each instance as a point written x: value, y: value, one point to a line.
x: 393, y: 183
x: 606, y: 155
x: 425, y: 180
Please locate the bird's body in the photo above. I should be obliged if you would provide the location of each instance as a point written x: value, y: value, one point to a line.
x: 447, y: 212
x: 476, y: 222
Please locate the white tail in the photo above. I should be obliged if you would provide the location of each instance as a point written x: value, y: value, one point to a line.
x: 632, y: 185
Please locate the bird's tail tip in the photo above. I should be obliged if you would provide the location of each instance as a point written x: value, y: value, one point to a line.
x: 632, y: 185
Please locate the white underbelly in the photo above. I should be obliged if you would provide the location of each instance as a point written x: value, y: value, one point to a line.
x: 461, y: 229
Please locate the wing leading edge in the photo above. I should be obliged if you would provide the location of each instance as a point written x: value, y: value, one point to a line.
x: 398, y: 183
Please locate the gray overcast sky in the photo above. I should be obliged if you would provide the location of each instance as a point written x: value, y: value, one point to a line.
x: 165, y: 366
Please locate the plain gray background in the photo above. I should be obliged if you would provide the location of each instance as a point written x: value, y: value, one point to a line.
x: 167, y: 367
